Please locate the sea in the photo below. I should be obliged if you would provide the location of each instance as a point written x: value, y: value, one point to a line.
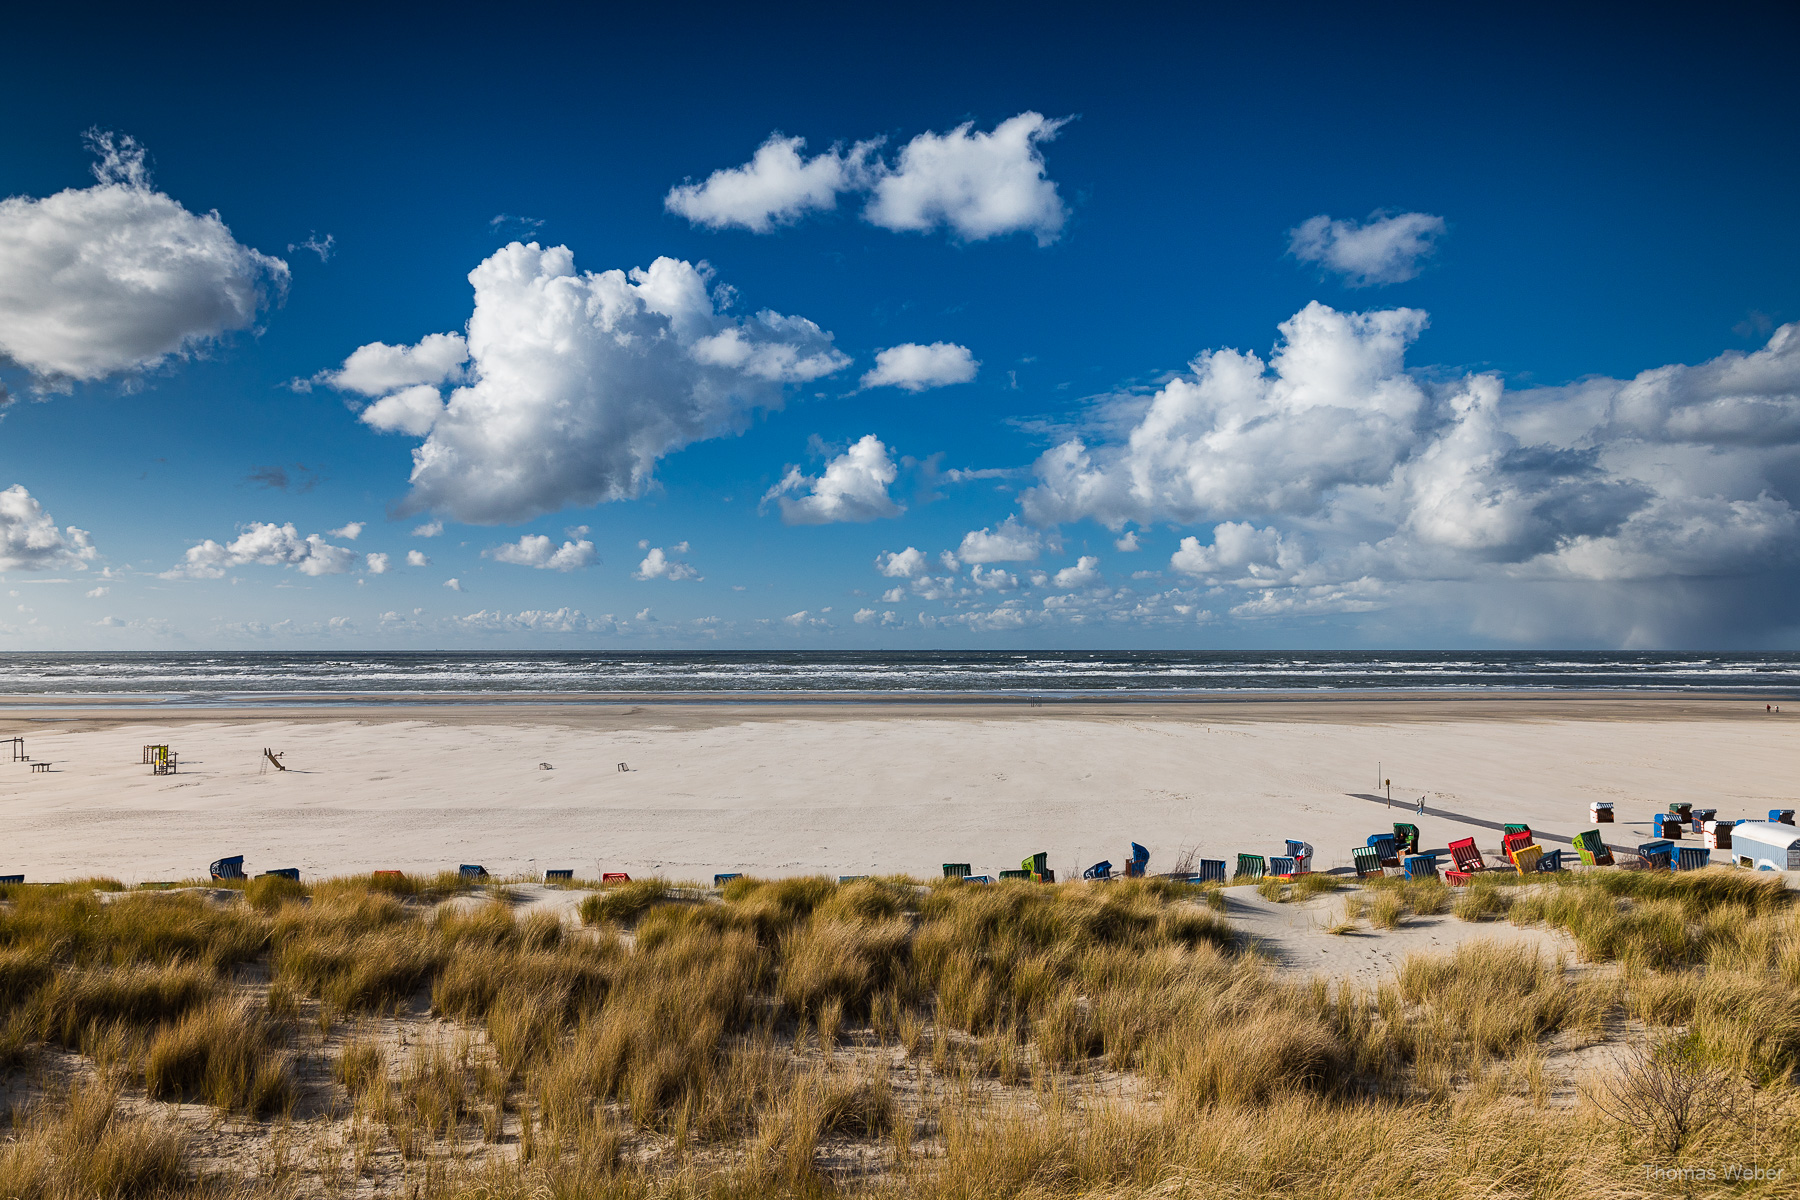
x: 326, y: 678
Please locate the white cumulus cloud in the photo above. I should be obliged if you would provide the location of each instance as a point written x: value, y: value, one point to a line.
x: 118, y: 277
x: 31, y: 541
x: 919, y: 368
x: 658, y: 565
x: 976, y: 184
x: 349, y: 532
x: 265, y: 544
x: 536, y: 550
x: 853, y: 487
x: 1085, y: 573
x: 577, y: 383
x: 903, y: 564
x: 1012, y: 541
x: 1387, y: 248
x: 376, y: 564
x: 429, y: 529
x: 417, y: 558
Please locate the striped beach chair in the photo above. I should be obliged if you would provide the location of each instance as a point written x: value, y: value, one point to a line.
x: 6, y: 879
x: 1515, y: 827
x: 724, y: 877
x: 1366, y: 860
x: 1023, y: 875
x: 1251, y: 866
x: 1282, y: 867
x: 620, y: 877
x: 1406, y: 838
x: 1658, y: 855
x: 1593, y: 851
x: 1684, y: 810
x: 1420, y: 866
x: 1692, y: 858
x: 977, y: 879
x: 1526, y: 858
x: 1212, y: 870
x: 1384, y: 846
x: 956, y: 870
x: 1514, y: 841
x: 1667, y: 826
x: 850, y: 878
x: 562, y: 876
x: 472, y: 871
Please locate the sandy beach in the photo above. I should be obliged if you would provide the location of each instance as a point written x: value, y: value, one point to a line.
x: 851, y: 788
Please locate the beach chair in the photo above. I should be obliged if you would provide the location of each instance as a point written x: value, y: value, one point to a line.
x: 1406, y: 838
x: 472, y: 871
x: 5, y: 879
x: 1658, y: 855
x: 1667, y: 825
x: 1552, y: 861
x: 1692, y: 858
x: 1282, y: 867
x: 1467, y: 856
x: 292, y: 873
x: 1250, y: 866
x: 1600, y: 812
x: 1701, y: 817
x: 721, y: 878
x: 1683, y: 810
x: 1593, y: 851
x: 1366, y: 860
x: 1526, y: 858
x: 977, y: 879
x: 387, y: 874
x: 1139, y: 861
x: 228, y: 868
x: 1781, y: 816
x: 850, y: 878
x: 1420, y: 866
x: 1515, y: 827
x: 615, y: 877
x: 956, y: 870
x: 1100, y: 870
x: 1513, y: 841
x: 557, y: 876
x: 1006, y: 875
x: 1212, y: 870
x: 1384, y: 846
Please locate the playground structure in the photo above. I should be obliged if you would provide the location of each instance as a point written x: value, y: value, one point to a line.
x: 18, y: 749
x: 274, y: 759
x: 161, y: 760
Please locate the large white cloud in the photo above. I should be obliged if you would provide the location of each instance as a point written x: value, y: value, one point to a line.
x: 853, y: 487
x: 537, y: 550
x: 1337, y: 480
x: 265, y: 544
x: 977, y: 185
x: 658, y: 565
x: 577, y: 383
x: 1387, y: 248
x: 31, y: 541
x: 119, y: 277
x: 917, y: 368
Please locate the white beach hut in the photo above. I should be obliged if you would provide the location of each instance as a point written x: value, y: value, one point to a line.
x: 1764, y: 846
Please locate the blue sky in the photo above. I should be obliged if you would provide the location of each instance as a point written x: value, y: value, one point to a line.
x: 1516, y: 285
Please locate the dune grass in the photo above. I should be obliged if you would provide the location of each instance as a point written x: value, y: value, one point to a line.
x: 765, y: 1042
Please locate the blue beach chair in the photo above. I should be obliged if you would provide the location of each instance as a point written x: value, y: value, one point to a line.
x: 1781, y: 816
x: 1212, y: 870
x: 292, y: 873
x: 977, y: 879
x: 1421, y: 866
x: 1667, y: 825
x: 850, y: 878
x: 559, y: 876
x: 1692, y: 858
x: 1140, y: 859
x: 724, y: 878
x: 956, y: 870
x: 4, y: 879
x: 228, y: 868
x: 1281, y: 864
x: 472, y: 871
x: 1251, y: 866
x: 1658, y: 855
x: 1100, y: 870
x: 1552, y: 861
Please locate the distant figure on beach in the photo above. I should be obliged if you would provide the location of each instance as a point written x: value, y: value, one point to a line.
x: 1421, y: 806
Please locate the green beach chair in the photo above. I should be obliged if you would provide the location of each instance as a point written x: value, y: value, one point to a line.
x: 1006, y: 875
x: 1038, y: 867
x: 1251, y: 866
x: 1593, y: 851
x: 1366, y: 860
x: 957, y: 871
x: 1406, y: 838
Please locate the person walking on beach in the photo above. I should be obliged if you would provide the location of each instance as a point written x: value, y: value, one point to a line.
x: 1421, y: 806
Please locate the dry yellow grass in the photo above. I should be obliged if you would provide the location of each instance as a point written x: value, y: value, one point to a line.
x: 797, y: 1037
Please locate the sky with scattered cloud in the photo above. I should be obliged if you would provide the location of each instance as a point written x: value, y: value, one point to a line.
x: 781, y: 343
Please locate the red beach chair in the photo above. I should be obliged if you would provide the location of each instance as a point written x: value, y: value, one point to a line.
x: 1468, y: 862
x: 615, y: 877
x: 1515, y: 841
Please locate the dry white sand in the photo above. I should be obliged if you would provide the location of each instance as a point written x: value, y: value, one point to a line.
x: 852, y: 789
